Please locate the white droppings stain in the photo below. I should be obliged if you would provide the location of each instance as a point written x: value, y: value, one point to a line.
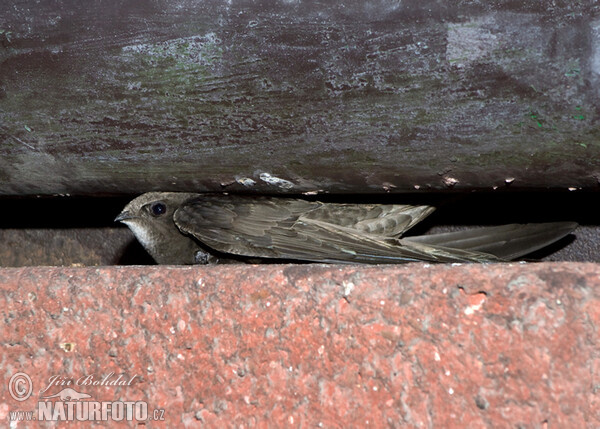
x: 451, y: 391
x: 246, y: 181
x: 382, y: 302
x: 450, y: 181
x: 276, y: 181
x: 312, y: 192
x: 348, y: 288
x: 387, y: 186
x: 437, y: 357
x: 321, y: 350
x: 471, y: 309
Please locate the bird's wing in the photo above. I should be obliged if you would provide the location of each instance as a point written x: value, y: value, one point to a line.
x: 506, y: 241
x: 290, y: 229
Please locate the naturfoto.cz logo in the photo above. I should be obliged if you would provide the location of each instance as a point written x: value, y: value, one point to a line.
x: 72, y: 404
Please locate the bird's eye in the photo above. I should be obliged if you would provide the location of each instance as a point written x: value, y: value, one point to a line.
x: 158, y: 209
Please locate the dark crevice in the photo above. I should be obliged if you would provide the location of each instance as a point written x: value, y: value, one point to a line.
x: 81, y: 231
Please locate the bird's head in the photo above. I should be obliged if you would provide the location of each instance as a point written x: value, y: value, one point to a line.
x: 150, y: 218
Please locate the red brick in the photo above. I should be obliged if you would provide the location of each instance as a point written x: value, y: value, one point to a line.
x: 309, y: 345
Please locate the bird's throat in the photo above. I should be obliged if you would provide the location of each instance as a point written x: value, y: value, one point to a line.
x: 143, y: 235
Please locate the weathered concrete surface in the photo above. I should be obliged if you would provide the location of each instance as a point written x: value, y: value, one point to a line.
x: 504, y: 345
x: 63, y: 247
x: 293, y: 96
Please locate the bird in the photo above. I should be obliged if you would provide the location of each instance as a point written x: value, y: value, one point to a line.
x: 180, y: 228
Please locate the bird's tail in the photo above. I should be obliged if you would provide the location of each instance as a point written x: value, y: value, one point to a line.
x: 506, y: 242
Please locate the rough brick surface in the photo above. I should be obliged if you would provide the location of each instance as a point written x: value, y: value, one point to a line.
x: 311, y: 345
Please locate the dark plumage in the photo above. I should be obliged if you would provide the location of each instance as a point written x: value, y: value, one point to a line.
x: 184, y: 228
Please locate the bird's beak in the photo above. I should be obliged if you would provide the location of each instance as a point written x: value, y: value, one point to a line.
x: 124, y: 215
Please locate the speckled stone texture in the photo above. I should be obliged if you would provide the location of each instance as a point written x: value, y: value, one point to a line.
x: 312, y: 345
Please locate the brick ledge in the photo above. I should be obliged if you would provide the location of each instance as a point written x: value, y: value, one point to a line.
x: 315, y: 345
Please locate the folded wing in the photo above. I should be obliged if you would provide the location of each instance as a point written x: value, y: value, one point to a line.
x: 505, y: 242
x: 312, y: 231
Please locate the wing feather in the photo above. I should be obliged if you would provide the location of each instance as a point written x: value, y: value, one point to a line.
x: 506, y: 241
x: 312, y: 231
